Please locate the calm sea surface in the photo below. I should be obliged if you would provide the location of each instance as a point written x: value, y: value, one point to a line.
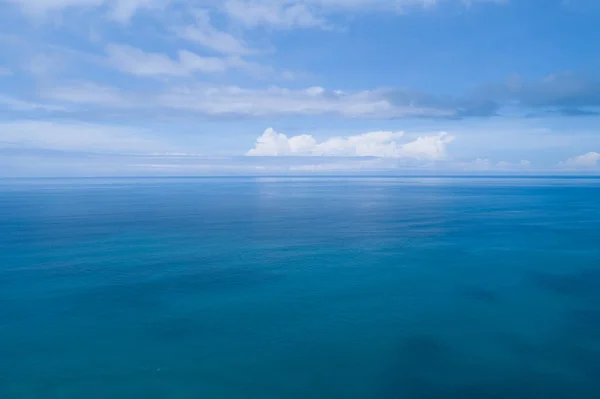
x: 300, y: 288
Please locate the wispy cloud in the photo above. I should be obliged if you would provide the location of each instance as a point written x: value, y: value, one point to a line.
x: 205, y: 34
x: 77, y: 136
x: 273, y: 14
x: 120, y: 10
x: 233, y: 100
x: 16, y: 104
x: 135, y: 61
x: 248, y: 13
x: 290, y: 14
x: 283, y: 101
x: 542, y: 99
x: 87, y: 93
x: 487, y: 165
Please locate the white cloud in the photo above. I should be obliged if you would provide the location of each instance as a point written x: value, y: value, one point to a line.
x: 47, y: 5
x: 503, y: 165
x: 205, y: 34
x: 123, y: 10
x: 16, y: 104
x: 478, y: 164
x: 137, y: 62
x: 233, y: 100
x: 5, y: 71
x: 75, y: 136
x: 373, y: 144
x: 89, y: 93
x: 120, y: 10
x: 270, y: 13
x: 346, y: 165
x: 428, y: 147
x: 248, y: 13
x: 43, y: 65
x: 484, y: 164
x: 589, y: 160
x: 282, y: 101
x: 313, y: 13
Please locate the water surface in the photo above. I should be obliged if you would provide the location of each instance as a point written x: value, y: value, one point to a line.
x: 300, y: 288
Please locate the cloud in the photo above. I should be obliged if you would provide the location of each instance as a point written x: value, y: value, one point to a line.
x: 279, y: 14
x: 134, y: 61
x: 5, y: 71
x: 486, y: 165
x: 85, y: 93
x: 427, y: 147
x: 563, y: 93
x: 123, y: 10
x: 282, y: 101
x: 288, y: 14
x: 205, y: 34
x: 566, y: 94
x: 270, y: 13
x: 16, y: 104
x: 478, y: 164
x: 120, y: 10
x: 76, y: 136
x: 276, y: 100
x: 522, y: 165
x: 234, y: 100
x: 373, y: 144
x: 589, y: 160
x: 345, y: 166
x: 43, y: 65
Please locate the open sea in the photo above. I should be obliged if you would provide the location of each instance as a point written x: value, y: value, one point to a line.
x: 264, y: 288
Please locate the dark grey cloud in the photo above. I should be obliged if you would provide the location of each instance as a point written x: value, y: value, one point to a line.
x: 565, y: 94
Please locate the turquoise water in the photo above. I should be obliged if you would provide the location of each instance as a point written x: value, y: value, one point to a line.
x: 300, y: 288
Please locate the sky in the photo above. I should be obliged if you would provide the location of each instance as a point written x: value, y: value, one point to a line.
x: 278, y: 87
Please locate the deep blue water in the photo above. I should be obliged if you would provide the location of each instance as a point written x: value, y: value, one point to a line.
x: 300, y: 288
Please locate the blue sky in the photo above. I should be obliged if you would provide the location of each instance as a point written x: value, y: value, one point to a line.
x: 207, y: 87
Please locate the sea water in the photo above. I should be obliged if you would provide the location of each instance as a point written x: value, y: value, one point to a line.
x: 300, y: 288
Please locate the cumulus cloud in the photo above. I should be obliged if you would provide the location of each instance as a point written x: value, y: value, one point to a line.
x: 382, y: 144
x: 589, y: 160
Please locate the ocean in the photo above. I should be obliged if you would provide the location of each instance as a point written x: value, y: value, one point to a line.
x: 261, y: 288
